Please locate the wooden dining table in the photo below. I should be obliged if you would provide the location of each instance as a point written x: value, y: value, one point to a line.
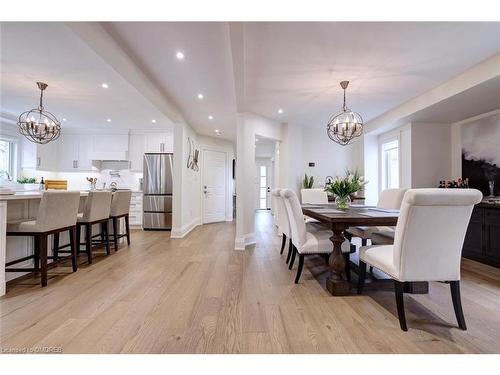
x: 338, y: 221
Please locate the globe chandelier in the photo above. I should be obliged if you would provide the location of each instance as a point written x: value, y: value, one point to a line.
x: 37, y: 124
x: 345, y: 125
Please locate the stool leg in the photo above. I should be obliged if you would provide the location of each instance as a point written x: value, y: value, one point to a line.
x: 88, y: 242
x: 105, y: 235
x: 127, y: 228
x: 36, y: 253
x: 115, y: 232
x: 72, y: 241
x: 55, y: 246
x: 78, y: 238
x: 43, y: 258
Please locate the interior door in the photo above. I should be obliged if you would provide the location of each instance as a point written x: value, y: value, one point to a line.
x: 214, y: 186
x: 263, y: 186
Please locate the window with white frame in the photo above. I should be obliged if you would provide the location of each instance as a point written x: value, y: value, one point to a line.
x: 7, y: 149
x: 389, y: 158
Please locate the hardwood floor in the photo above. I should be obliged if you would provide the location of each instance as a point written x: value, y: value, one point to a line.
x: 198, y: 295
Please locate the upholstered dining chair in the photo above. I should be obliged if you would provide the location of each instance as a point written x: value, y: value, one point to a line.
x: 389, y: 199
x: 304, y: 241
x: 314, y: 196
x: 283, y: 223
x: 427, y: 243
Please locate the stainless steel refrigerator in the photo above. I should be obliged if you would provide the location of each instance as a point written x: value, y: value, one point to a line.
x: 157, y: 191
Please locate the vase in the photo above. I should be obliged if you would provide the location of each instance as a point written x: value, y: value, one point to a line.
x: 343, y: 203
x: 491, y: 185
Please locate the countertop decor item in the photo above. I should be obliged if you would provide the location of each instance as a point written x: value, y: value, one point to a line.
x: 346, y: 124
x: 344, y: 187
x: 37, y: 124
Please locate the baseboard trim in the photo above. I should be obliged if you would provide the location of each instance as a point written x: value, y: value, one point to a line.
x: 184, y: 231
x: 240, y: 243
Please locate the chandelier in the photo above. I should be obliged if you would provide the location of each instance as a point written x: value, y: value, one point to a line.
x: 37, y: 124
x: 345, y: 125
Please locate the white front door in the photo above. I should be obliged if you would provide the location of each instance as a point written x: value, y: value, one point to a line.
x: 214, y: 186
x: 263, y: 179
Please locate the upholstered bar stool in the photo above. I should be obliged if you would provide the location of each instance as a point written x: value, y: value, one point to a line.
x: 120, y: 206
x: 96, y: 211
x: 56, y: 213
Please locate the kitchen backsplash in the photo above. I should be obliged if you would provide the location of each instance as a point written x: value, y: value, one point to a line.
x: 77, y: 180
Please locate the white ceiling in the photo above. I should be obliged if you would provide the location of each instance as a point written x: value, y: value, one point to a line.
x: 206, y: 68
x: 293, y: 66
x: 52, y: 53
x: 298, y: 66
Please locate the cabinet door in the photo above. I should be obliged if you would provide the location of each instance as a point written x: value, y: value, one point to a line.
x: 47, y: 156
x: 85, y: 147
x: 152, y: 142
x: 68, y: 152
x: 473, y: 243
x: 136, y: 151
x: 492, y: 231
x: 28, y: 154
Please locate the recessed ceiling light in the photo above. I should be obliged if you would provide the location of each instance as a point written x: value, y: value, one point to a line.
x: 104, y: 85
x: 200, y: 96
x: 179, y: 55
x: 256, y: 139
x: 280, y: 111
x: 108, y: 120
x: 153, y: 121
x: 210, y: 117
x: 64, y: 119
x: 217, y: 132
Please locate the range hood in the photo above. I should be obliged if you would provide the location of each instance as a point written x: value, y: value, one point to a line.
x: 109, y: 155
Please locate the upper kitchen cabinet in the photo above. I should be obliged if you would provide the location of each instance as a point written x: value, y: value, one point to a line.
x: 75, y: 152
x: 37, y: 156
x: 159, y: 142
x: 140, y: 143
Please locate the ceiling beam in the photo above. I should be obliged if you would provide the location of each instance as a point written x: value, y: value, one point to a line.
x: 482, y: 72
x: 109, y: 48
x: 237, y: 40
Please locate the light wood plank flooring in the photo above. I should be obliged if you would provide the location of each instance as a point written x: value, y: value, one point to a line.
x: 198, y: 295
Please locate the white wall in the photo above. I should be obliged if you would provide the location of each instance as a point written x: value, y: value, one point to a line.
x: 430, y: 154
x: 330, y: 158
x: 248, y: 126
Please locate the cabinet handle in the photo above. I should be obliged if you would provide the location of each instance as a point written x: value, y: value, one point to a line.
x: 38, y: 161
x: 76, y: 162
x: 162, y: 147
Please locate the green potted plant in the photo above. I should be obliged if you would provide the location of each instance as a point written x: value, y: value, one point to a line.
x: 28, y: 183
x: 343, y: 187
x: 308, y: 182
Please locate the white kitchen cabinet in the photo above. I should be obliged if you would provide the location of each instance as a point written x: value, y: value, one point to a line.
x: 135, y: 211
x: 159, y: 142
x: 74, y: 153
x: 136, y: 149
x: 37, y: 156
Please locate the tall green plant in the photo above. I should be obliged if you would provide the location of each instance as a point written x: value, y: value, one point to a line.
x: 308, y: 182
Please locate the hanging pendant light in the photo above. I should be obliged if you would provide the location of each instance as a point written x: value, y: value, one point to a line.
x: 37, y: 124
x: 345, y: 125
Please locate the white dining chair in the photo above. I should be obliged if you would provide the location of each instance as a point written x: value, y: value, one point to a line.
x: 304, y: 241
x: 389, y: 199
x: 314, y: 196
x: 427, y: 244
x: 283, y: 223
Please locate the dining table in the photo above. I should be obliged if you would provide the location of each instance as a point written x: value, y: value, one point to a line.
x: 338, y: 221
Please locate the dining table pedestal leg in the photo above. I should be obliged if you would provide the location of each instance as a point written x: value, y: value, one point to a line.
x: 337, y: 284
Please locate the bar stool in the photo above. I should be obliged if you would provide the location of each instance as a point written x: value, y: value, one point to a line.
x: 56, y: 213
x: 96, y: 211
x: 120, y: 206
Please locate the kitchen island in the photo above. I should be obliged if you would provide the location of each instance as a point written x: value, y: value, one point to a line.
x: 21, y: 205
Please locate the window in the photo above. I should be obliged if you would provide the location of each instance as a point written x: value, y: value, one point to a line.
x: 390, y: 164
x: 6, y: 158
x: 263, y: 187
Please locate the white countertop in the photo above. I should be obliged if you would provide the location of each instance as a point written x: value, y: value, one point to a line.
x: 19, y: 195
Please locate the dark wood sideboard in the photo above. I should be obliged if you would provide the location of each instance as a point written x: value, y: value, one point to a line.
x: 482, y: 241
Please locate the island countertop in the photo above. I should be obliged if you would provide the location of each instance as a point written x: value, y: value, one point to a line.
x: 19, y: 195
